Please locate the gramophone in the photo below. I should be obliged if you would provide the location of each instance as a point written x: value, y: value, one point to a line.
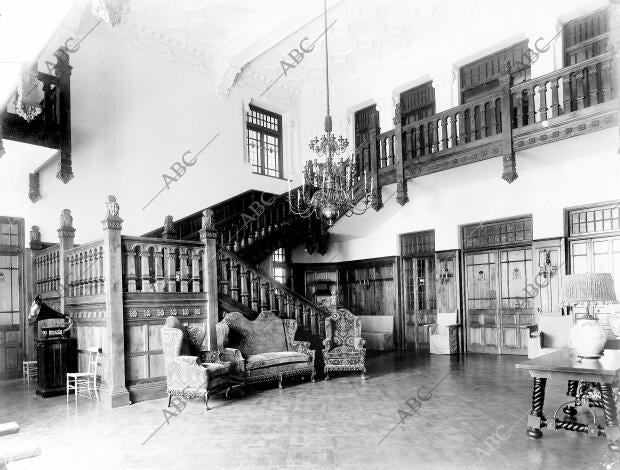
x: 39, y: 311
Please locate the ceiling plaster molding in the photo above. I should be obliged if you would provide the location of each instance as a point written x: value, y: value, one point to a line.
x: 238, y: 63
x: 163, y: 47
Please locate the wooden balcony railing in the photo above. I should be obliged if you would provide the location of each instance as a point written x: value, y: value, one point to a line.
x: 495, y: 125
x: 46, y: 271
x: 85, y: 269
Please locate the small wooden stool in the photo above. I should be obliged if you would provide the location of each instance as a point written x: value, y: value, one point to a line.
x: 29, y: 369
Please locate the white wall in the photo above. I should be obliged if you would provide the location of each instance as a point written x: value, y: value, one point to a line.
x: 133, y: 116
x: 572, y: 172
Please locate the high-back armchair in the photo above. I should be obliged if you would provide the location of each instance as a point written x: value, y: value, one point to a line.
x: 191, y: 372
x: 343, y: 346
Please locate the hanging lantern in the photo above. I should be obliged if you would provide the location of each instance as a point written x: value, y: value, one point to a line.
x: 110, y: 11
x: 29, y: 93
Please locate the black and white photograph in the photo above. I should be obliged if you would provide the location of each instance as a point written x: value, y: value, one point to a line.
x: 310, y: 234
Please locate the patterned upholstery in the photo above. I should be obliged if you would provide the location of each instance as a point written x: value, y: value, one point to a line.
x: 191, y: 376
x: 264, y: 348
x: 343, y: 347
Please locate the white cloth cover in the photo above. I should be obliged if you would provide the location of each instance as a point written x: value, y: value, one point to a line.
x: 378, y: 331
x: 443, y: 337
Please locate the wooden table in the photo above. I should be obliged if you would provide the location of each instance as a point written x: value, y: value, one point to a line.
x: 589, y: 385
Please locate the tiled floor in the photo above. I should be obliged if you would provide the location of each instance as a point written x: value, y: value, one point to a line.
x: 474, y: 419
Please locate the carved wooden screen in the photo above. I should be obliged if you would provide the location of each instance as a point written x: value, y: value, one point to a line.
x: 417, y: 103
x: 481, y: 77
x: 11, y: 273
x: 586, y: 37
x: 420, y: 296
x: 364, y: 120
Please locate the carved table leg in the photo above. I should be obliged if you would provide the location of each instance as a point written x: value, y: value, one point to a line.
x: 611, y: 418
x: 571, y: 392
x: 536, y: 418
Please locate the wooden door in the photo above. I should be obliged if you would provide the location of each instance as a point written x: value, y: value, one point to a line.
x: 498, y: 302
x: 11, y: 298
x: 420, y: 296
x: 517, y: 299
x: 481, y: 302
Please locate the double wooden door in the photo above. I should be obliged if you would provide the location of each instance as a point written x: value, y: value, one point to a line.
x: 498, y: 301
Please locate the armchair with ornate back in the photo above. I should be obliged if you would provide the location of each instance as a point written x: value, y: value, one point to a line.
x: 191, y: 372
x: 343, y: 348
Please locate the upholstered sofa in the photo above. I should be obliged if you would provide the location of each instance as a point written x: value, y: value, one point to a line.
x: 263, y: 349
x: 378, y: 331
x: 191, y: 372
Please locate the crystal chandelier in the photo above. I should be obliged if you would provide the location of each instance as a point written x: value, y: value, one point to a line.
x: 328, y: 189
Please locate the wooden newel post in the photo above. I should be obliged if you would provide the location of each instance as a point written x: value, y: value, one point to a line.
x: 114, y: 390
x: 66, y: 235
x: 376, y: 200
x: 510, y: 166
x: 399, y: 159
x: 208, y: 236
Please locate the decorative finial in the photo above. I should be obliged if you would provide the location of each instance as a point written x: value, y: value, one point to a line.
x: 169, y: 230
x: 207, y: 219
x: 35, y: 238
x: 112, y: 206
x: 66, y: 219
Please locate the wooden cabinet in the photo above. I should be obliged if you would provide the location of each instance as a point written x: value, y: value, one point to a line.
x: 55, y: 357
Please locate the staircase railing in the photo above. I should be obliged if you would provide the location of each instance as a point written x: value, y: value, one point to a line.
x: 258, y: 291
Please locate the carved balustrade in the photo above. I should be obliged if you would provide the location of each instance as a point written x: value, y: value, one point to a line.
x: 46, y: 271
x: 85, y: 270
x: 558, y: 93
x: 158, y: 265
x: 258, y: 291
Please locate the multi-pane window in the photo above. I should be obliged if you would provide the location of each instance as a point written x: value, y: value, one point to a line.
x: 278, y: 261
x: 586, y: 37
x: 265, y: 142
x: 11, y: 245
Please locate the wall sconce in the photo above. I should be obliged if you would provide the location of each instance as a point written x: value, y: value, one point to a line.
x: 366, y: 282
x: 444, y: 272
x: 547, y: 269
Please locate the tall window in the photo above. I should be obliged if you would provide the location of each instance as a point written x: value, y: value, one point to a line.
x: 586, y: 37
x: 279, y: 265
x: 265, y: 141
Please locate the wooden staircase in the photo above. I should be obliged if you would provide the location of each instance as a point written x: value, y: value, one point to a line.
x: 251, y: 227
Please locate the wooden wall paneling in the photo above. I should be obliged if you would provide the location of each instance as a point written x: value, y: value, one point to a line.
x: 548, y: 268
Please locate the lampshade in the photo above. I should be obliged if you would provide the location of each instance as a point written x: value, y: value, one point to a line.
x: 589, y: 287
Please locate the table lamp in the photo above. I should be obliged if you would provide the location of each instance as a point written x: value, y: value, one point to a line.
x: 587, y: 335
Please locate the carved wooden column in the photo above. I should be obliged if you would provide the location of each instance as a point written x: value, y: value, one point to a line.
x: 399, y: 160
x: 195, y: 271
x: 63, y: 71
x: 171, y: 269
x: 376, y: 200
x: 184, y: 268
x: 510, y: 167
x: 208, y: 236
x: 145, y: 274
x: 158, y: 264
x: 113, y: 387
x: 66, y: 234
x: 130, y: 255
